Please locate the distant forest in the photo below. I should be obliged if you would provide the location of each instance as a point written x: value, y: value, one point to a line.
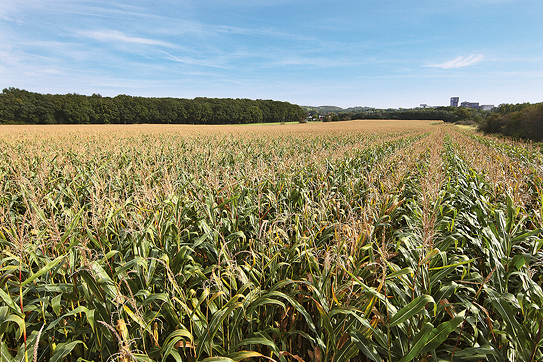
x: 19, y: 106
x: 446, y: 114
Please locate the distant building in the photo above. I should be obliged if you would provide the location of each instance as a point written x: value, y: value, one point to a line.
x: 487, y: 107
x: 454, y: 101
x: 471, y: 105
x: 423, y: 105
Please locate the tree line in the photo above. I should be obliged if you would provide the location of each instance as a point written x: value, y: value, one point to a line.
x: 446, y: 114
x: 522, y: 120
x: 19, y: 106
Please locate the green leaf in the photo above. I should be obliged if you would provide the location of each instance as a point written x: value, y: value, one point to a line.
x: 347, y: 351
x: 136, y: 318
x: 55, y: 303
x: 218, y: 359
x: 95, y: 289
x: 518, y: 261
x: 263, y: 301
x: 418, y: 343
x: 411, y: 309
x: 430, y: 256
x: 43, y: 270
x: 298, y: 307
x: 476, y: 353
x: 452, y: 265
x: 64, y: 349
x: 71, y: 226
x: 9, y: 302
x: 398, y: 273
x: 440, y: 334
x: 526, y: 235
x: 512, y: 326
x: 88, y: 313
x: 365, y: 346
x: 111, y: 253
x: 163, y: 297
x: 174, y: 337
x: 19, y: 321
x: 6, y: 354
x: 103, y: 279
x: 256, y: 340
x: 217, y: 320
x: 136, y: 261
x: 140, y: 357
x: 236, y: 235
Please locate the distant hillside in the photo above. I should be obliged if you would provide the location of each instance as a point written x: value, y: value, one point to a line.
x: 323, y: 109
x: 336, y: 109
x: 359, y: 109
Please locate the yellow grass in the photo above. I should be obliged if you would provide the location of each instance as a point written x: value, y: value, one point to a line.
x: 466, y: 127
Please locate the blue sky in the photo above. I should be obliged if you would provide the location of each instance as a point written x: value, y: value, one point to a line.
x: 387, y: 53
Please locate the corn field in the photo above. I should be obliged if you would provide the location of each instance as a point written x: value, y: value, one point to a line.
x: 359, y: 241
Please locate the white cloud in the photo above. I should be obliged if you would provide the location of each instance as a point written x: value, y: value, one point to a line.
x: 460, y: 62
x: 117, y: 36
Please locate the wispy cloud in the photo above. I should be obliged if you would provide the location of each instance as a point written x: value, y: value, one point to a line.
x: 311, y: 61
x: 460, y: 62
x: 192, y: 61
x: 7, y: 7
x: 117, y: 36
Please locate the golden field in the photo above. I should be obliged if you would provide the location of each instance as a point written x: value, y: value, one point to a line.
x: 288, y: 128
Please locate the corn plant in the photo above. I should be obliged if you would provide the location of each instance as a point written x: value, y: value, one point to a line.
x: 331, y: 244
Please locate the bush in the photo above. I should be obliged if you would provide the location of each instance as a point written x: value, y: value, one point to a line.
x: 525, y: 124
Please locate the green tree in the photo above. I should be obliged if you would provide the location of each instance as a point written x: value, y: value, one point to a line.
x: 74, y: 109
x: 462, y: 114
x: 256, y: 114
